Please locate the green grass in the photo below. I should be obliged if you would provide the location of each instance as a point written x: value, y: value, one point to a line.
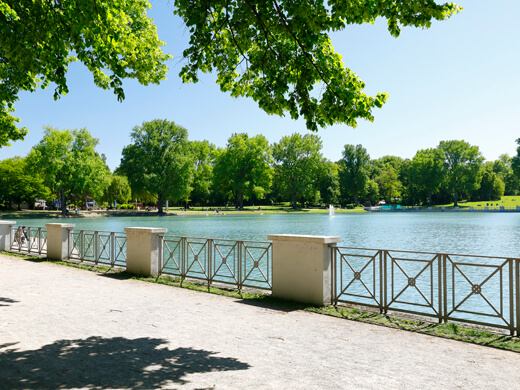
x: 450, y: 331
x: 510, y: 201
x: 260, y: 210
x: 193, y: 211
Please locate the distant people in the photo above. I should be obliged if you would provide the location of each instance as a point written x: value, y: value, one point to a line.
x: 19, y: 236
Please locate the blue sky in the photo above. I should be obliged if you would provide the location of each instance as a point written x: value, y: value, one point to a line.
x: 458, y: 80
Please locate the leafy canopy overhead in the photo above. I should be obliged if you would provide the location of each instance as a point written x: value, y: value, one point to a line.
x: 39, y: 39
x: 279, y: 52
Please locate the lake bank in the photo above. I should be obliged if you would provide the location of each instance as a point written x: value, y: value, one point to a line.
x: 210, y: 211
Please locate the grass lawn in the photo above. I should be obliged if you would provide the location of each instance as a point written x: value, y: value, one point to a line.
x: 193, y: 211
x: 510, y: 201
x: 259, y: 210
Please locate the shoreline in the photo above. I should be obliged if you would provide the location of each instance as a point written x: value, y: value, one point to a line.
x: 172, y: 213
x: 38, y: 214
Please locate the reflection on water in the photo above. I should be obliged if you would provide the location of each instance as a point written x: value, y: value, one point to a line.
x: 475, y: 233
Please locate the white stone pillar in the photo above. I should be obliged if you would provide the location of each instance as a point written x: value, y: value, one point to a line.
x: 58, y: 240
x: 5, y: 234
x: 143, y: 247
x: 302, y: 267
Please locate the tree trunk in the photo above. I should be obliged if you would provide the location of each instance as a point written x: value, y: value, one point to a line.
x: 63, y: 203
x: 160, y: 204
x: 455, y: 200
x: 239, y: 201
x: 294, y: 202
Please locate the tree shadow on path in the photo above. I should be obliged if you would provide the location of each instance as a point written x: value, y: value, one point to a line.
x: 98, y: 362
x: 7, y: 301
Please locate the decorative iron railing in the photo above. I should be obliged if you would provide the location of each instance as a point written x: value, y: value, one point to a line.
x: 481, y: 290
x: 98, y: 247
x: 31, y: 240
x: 237, y: 263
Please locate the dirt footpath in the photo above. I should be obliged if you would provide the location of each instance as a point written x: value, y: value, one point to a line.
x: 66, y: 328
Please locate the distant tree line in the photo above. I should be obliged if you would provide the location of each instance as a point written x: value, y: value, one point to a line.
x: 161, y: 164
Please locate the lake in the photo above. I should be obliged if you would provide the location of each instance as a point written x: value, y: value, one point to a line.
x: 473, y: 233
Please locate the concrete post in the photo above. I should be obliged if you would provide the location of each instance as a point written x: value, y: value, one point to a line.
x: 302, y: 267
x: 5, y: 234
x: 143, y: 250
x: 58, y: 240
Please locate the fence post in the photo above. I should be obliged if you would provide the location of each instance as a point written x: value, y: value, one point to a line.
x: 5, y: 234
x: 385, y: 281
x: 142, y: 250
x: 302, y: 267
x: 241, y: 261
x: 445, y: 287
x: 209, y: 259
x: 333, y: 275
x: 112, y: 247
x: 511, y: 297
x: 517, y: 295
x: 58, y: 240
x: 440, y: 286
x: 382, y: 278
x: 96, y: 247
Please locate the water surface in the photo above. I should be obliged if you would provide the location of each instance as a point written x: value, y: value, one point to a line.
x: 474, y: 233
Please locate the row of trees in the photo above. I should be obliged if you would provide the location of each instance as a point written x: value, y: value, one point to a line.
x: 63, y: 167
x: 162, y: 164
x: 452, y: 171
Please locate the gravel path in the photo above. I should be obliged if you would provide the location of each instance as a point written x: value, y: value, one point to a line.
x: 66, y: 328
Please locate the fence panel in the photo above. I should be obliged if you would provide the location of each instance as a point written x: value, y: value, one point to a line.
x: 226, y: 261
x: 107, y: 248
x: 414, y: 282
x: 256, y: 264
x: 358, y: 276
x: 481, y: 290
x: 31, y: 240
x: 236, y: 263
x: 172, y: 255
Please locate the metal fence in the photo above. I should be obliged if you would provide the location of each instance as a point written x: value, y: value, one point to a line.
x: 481, y: 290
x: 108, y: 248
x: 31, y: 240
x: 237, y: 263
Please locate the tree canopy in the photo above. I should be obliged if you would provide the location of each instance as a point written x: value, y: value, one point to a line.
x: 278, y: 53
x: 462, y: 163
x: 113, y: 39
x: 69, y: 165
x: 18, y: 185
x: 158, y: 162
x: 297, y: 165
x: 117, y: 190
x: 424, y: 175
x: 515, y: 162
x: 204, y: 156
x: 354, y: 170
x: 243, y: 169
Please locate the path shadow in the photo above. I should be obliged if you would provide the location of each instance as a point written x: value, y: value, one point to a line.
x: 7, y: 301
x: 118, y: 275
x: 271, y: 303
x: 98, y: 362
